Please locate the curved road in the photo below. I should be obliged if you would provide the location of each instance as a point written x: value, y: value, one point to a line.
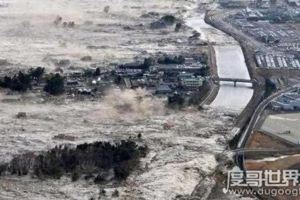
x: 257, y: 114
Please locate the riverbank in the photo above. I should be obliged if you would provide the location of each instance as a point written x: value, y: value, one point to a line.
x: 229, y: 99
x: 247, y: 50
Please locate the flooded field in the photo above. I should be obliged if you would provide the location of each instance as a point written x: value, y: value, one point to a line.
x: 179, y: 157
x: 182, y: 144
x: 31, y: 36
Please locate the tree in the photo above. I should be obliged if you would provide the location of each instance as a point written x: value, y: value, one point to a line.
x: 55, y: 85
x: 176, y: 99
x: 204, y: 71
x: 85, y: 159
x: 139, y: 136
x: 147, y: 63
x: 115, y: 193
x: 171, y: 60
x: 178, y: 27
x: 88, y: 72
x: 122, y: 170
x: 168, y: 19
x: 97, y: 72
x: 270, y: 87
x: 37, y: 73
x: 21, y: 82
x: 75, y: 176
x: 6, y: 82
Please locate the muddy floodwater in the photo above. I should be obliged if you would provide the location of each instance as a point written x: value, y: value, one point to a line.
x: 183, y: 145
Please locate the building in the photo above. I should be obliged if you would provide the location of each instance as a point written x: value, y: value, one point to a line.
x: 263, y: 4
x: 287, y: 102
x: 293, y: 2
x: 253, y: 15
x: 129, y: 72
x: 192, y: 82
x: 185, y: 75
x: 235, y: 3
x: 180, y: 68
x: 163, y: 89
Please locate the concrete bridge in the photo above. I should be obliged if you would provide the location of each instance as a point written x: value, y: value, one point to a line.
x: 234, y: 80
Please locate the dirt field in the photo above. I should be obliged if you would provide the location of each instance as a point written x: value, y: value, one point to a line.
x: 260, y: 140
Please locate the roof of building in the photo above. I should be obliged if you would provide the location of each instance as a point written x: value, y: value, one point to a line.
x: 163, y: 88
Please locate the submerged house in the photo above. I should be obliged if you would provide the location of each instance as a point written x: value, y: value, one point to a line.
x: 163, y: 89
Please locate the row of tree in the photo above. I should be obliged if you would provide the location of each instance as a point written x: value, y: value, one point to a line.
x: 91, y: 160
x: 171, y: 60
x: 23, y: 81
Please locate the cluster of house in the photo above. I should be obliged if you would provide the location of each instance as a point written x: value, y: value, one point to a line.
x: 283, y: 38
x: 160, y: 79
x: 164, y: 79
x: 294, y: 2
x: 259, y: 31
x: 263, y: 27
x: 287, y: 102
x: 233, y: 3
x: 79, y: 83
x: 256, y: 3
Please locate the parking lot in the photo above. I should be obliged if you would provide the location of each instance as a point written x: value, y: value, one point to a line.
x: 281, y: 39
